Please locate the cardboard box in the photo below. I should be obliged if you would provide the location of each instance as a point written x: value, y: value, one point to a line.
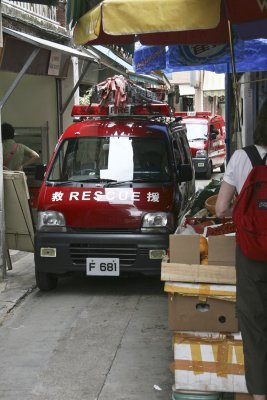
x: 221, y: 250
x: 18, y: 217
x: 185, y: 253
x: 184, y: 249
x: 219, y: 274
x: 201, y: 307
x: 243, y: 396
x: 209, y: 362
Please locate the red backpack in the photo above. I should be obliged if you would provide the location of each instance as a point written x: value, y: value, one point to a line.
x: 250, y: 209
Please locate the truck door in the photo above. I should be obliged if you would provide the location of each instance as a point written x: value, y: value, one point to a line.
x: 217, y: 144
x: 190, y: 185
x: 179, y: 157
x: 221, y: 146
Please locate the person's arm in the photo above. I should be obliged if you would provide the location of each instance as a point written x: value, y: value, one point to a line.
x: 31, y: 158
x: 224, y: 203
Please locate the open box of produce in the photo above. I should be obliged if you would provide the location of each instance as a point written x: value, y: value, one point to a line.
x: 191, y: 261
x: 201, y: 219
x: 203, y: 247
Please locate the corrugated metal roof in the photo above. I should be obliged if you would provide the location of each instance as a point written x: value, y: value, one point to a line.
x: 109, y: 53
x: 47, y: 44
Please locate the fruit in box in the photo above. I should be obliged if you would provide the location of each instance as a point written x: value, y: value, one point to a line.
x: 203, y: 250
x: 221, y: 229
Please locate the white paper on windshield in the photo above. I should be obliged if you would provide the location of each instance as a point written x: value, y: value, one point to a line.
x: 120, y: 160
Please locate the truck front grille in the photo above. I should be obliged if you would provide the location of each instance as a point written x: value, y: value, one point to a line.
x: 79, y: 253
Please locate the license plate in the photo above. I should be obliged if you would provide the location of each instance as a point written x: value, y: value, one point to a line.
x: 103, y: 266
x: 200, y: 164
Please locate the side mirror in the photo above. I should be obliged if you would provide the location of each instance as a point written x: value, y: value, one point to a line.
x: 40, y: 170
x: 185, y: 172
x: 213, y: 135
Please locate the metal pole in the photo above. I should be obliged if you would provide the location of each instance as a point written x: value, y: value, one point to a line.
x: 59, y: 107
x: 2, y: 219
x: 228, y: 113
x: 2, y: 258
x: 1, y: 28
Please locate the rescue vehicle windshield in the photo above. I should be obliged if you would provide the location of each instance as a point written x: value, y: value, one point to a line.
x: 111, y: 160
x: 196, y: 130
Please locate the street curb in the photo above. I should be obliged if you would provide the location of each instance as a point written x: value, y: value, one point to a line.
x: 17, y: 255
x: 19, y: 282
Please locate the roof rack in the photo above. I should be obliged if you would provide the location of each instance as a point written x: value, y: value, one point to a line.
x: 144, y: 110
x: 119, y: 91
x: 120, y: 97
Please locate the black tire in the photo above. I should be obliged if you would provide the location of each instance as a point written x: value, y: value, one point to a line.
x: 209, y: 171
x: 45, y: 281
x: 222, y: 168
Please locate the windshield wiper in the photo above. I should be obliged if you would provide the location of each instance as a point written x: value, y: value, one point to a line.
x: 114, y: 182
x: 59, y: 183
x: 140, y: 180
x: 88, y: 180
x: 100, y: 180
x: 117, y: 183
x: 71, y: 181
x: 199, y: 138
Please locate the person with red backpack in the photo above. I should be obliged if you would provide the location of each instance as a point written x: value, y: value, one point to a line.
x: 16, y: 156
x: 243, y: 195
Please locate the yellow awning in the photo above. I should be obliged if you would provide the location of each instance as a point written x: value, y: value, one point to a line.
x: 126, y: 17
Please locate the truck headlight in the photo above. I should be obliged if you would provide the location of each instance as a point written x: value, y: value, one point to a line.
x: 201, y: 153
x: 158, y: 222
x: 50, y: 221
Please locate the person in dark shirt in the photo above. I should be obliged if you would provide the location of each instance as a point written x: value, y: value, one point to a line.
x: 251, y: 275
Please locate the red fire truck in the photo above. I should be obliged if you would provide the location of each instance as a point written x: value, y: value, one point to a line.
x: 117, y: 185
x: 206, y: 136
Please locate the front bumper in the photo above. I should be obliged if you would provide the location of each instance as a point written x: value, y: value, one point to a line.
x: 201, y: 164
x: 73, y: 249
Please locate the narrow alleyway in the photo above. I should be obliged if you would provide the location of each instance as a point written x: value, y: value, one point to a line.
x: 89, y: 339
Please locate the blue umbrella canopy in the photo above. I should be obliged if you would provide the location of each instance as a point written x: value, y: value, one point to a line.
x: 250, y: 55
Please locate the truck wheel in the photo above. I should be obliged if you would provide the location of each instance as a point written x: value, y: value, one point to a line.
x: 222, y: 168
x: 209, y: 171
x: 45, y: 281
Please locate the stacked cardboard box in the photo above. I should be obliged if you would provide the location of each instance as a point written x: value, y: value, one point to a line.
x: 208, y: 361
x: 208, y: 349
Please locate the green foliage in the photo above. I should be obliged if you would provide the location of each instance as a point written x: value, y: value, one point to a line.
x: 86, y: 98
x: 201, y: 196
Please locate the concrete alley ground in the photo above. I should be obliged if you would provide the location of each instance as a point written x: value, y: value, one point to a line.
x: 90, y: 339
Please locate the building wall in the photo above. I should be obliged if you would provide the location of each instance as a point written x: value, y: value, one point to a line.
x: 253, y: 92
x: 181, y: 77
x: 192, y: 81
x: 67, y: 87
x: 32, y: 104
x: 199, y: 100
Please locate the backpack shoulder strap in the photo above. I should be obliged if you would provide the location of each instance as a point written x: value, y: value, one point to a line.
x: 254, y: 155
x: 14, y: 148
